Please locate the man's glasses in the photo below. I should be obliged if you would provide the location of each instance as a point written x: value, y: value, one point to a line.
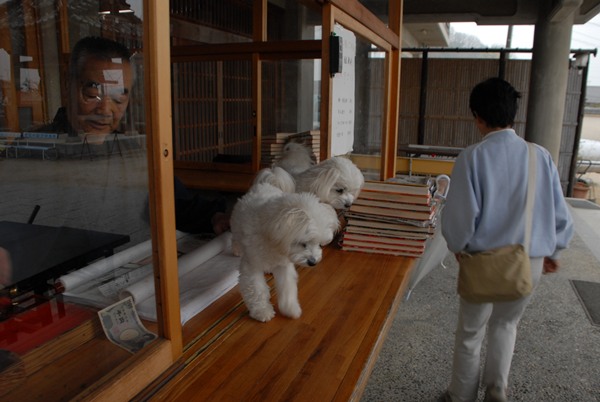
x: 94, y: 93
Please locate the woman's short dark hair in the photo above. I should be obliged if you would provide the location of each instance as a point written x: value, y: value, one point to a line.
x: 495, y: 102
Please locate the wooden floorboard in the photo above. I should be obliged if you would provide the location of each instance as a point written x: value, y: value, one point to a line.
x: 348, y: 303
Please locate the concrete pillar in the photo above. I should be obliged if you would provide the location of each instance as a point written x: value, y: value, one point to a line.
x: 549, y: 74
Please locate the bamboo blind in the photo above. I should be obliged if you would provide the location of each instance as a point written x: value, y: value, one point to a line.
x: 212, y: 109
x: 447, y: 118
x: 234, y: 16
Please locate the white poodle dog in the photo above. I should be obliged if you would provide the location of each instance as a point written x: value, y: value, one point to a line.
x: 275, y: 231
x: 295, y: 158
x: 336, y: 181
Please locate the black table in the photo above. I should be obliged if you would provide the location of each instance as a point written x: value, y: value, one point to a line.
x: 39, y: 253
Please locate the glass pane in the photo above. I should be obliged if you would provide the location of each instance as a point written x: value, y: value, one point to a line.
x: 292, y: 20
x: 290, y: 105
x: 73, y: 219
x: 369, y: 95
x: 378, y: 7
x: 211, y: 21
x: 212, y: 111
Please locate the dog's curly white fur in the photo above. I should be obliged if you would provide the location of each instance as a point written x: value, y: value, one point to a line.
x: 275, y: 231
x: 275, y: 176
x: 336, y: 181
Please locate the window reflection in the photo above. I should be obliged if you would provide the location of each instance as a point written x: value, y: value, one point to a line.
x: 292, y: 20
x: 378, y: 7
x: 210, y: 21
x: 212, y: 111
x: 74, y: 184
x: 291, y: 104
x: 370, y: 66
x: 367, y: 106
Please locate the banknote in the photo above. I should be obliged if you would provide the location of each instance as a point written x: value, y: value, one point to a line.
x: 123, y: 326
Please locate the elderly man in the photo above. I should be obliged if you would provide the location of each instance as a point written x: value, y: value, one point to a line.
x: 100, y: 81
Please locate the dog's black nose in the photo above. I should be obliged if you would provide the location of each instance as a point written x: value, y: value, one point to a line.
x: 311, y: 262
x: 347, y: 204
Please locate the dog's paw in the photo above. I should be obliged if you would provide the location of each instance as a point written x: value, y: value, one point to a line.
x: 263, y: 314
x: 236, y: 249
x: 292, y: 310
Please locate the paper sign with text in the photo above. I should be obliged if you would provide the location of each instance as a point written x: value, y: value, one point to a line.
x: 342, y: 116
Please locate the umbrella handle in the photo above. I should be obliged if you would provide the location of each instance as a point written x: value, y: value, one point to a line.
x: 442, y: 183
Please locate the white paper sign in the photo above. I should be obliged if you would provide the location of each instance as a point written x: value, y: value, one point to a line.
x: 342, y: 115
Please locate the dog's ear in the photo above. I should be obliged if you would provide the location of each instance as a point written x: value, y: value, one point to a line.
x: 286, y: 226
x: 329, y: 223
x: 323, y: 183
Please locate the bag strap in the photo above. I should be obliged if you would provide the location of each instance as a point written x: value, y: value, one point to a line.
x: 530, y: 195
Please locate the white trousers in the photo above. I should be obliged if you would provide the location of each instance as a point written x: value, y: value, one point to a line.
x: 501, y: 320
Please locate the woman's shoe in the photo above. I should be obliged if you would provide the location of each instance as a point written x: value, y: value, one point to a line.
x: 494, y: 393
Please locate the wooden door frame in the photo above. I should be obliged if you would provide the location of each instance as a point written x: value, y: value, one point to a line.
x: 355, y: 17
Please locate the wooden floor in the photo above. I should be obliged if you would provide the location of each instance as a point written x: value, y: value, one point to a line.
x: 348, y: 302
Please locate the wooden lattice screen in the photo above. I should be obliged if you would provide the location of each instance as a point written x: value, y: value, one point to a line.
x: 447, y: 118
x: 212, y: 110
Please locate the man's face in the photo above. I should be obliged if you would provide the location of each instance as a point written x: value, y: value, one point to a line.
x: 102, y: 95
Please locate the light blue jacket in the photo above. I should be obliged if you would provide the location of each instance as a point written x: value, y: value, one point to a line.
x: 486, y: 201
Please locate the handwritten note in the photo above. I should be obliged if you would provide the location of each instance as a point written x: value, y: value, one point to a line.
x: 342, y: 119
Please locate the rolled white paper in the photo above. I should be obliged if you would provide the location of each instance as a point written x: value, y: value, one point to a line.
x: 144, y: 288
x: 202, y: 254
x: 200, y: 287
x: 101, y: 267
x: 95, y: 270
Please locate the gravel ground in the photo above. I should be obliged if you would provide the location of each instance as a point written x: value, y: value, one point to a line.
x: 557, y: 355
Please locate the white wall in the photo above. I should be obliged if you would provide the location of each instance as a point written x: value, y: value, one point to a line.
x: 590, y: 129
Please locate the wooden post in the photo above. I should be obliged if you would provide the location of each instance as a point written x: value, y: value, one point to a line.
x: 326, y: 83
x: 157, y: 75
x: 393, y: 62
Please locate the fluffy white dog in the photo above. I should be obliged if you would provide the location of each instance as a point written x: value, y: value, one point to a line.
x: 336, y: 181
x: 275, y: 231
x: 295, y: 158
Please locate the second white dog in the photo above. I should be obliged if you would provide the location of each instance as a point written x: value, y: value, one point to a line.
x: 336, y: 181
x: 274, y: 231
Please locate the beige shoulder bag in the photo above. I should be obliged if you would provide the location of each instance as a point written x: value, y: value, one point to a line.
x: 501, y: 274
